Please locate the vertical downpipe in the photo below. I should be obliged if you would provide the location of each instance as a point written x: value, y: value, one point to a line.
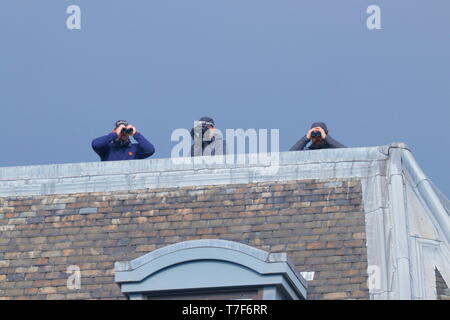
x: 400, y: 224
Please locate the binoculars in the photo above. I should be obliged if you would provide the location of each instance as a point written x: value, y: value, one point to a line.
x: 316, y: 134
x: 202, y: 127
x: 126, y: 131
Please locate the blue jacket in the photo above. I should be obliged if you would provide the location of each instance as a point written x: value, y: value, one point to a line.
x: 110, y: 149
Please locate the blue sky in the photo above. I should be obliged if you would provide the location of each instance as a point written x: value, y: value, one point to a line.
x: 248, y: 64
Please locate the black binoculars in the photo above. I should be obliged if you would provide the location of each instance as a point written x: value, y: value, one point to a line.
x: 126, y: 131
x: 202, y: 127
x: 316, y: 134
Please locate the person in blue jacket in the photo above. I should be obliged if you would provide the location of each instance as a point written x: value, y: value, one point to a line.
x: 118, y: 146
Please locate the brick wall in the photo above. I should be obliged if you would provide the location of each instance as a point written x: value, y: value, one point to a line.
x: 442, y: 290
x: 320, y: 224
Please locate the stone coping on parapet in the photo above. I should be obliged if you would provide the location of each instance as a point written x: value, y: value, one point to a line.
x: 164, y: 173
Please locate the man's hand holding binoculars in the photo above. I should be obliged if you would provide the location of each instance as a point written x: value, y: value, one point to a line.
x: 123, y: 130
x: 316, y: 132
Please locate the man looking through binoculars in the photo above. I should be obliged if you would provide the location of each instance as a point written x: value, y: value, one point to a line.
x: 206, y: 141
x: 118, y: 146
x: 319, y: 138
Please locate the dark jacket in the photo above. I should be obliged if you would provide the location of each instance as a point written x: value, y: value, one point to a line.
x: 111, y: 149
x: 216, y: 146
x: 326, y: 143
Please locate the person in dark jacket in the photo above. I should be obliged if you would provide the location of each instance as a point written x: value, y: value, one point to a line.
x: 205, y: 141
x: 319, y: 138
x: 117, y: 144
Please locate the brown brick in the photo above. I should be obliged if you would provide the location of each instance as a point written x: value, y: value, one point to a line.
x: 241, y: 228
x: 55, y: 297
x: 248, y: 214
x: 354, y: 243
x: 296, y: 246
x: 14, y: 292
x: 165, y: 233
x: 141, y: 220
x: 267, y: 212
x: 47, y: 290
x: 30, y: 291
x: 334, y: 244
x: 227, y: 203
x: 53, y: 253
x: 78, y: 296
x: 331, y: 209
x: 77, y: 205
x: 145, y: 248
x: 4, y: 263
x: 6, y: 209
x: 359, y: 235
x: 68, y: 252
x: 359, y: 294
x: 316, y: 245
x: 335, y: 295
x: 219, y: 230
x: 30, y: 269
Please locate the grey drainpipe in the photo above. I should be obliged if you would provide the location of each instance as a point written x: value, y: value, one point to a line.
x: 399, y: 221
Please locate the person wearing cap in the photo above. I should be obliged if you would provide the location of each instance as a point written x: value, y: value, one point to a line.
x: 118, y: 146
x: 319, y: 138
x: 206, y: 142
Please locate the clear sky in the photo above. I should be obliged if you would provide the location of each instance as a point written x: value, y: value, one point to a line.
x: 160, y: 64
